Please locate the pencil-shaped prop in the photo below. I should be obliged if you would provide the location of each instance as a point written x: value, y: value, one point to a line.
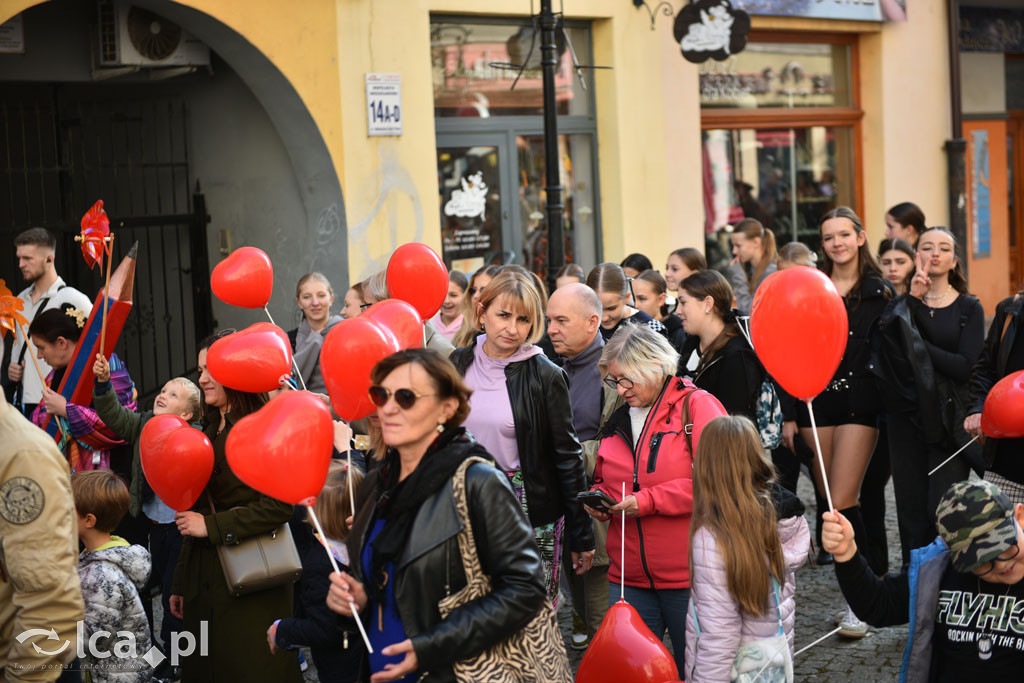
x: 97, y: 246
x: 12, y: 320
x: 77, y: 384
x: 284, y: 450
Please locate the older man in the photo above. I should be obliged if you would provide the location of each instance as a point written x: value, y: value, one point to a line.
x: 574, y: 322
x: 36, y: 249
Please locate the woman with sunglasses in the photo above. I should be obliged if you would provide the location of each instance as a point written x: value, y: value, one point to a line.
x: 237, y: 648
x: 522, y: 414
x: 648, y: 445
x: 404, y: 543
x: 616, y: 293
x: 315, y: 296
x: 962, y: 595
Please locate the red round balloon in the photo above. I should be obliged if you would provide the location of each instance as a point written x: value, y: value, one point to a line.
x: 799, y: 329
x: 284, y: 448
x: 177, y: 460
x: 400, y: 318
x: 245, y: 278
x: 256, y: 359
x: 416, y: 274
x: 624, y: 649
x: 349, y: 352
x: 1003, y: 414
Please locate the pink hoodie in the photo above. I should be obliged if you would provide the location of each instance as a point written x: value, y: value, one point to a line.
x: 490, y: 416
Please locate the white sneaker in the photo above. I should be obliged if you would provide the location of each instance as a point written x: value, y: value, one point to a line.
x: 851, y: 626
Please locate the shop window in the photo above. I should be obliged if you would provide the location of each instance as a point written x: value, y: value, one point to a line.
x: 490, y: 145
x: 780, y: 128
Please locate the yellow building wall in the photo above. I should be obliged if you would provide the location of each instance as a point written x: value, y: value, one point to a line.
x: 905, y: 93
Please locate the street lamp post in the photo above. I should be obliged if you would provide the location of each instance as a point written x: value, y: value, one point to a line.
x: 552, y: 167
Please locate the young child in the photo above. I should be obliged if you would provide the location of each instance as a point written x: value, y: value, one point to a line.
x: 86, y: 440
x: 747, y: 540
x: 112, y: 573
x: 178, y: 397
x: 334, y: 640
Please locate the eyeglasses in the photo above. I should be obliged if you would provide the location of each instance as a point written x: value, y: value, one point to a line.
x: 992, y: 565
x: 225, y: 332
x: 363, y: 307
x: 405, y: 398
x: 624, y: 382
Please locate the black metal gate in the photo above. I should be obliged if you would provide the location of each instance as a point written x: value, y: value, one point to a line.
x: 64, y: 147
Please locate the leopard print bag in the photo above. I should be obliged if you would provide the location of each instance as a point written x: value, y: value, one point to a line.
x: 535, y: 653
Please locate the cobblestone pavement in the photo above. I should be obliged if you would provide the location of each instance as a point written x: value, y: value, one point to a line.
x: 873, y: 658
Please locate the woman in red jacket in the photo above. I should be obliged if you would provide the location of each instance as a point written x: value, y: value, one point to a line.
x: 648, y: 444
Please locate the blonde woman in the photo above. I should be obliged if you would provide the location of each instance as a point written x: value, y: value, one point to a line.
x: 521, y: 413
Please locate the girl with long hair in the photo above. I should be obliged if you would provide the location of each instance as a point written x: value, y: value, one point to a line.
x: 314, y: 296
x: 941, y: 331
x: 747, y: 539
x: 754, y: 259
x: 847, y: 410
x: 728, y: 368
x: 615, y: 291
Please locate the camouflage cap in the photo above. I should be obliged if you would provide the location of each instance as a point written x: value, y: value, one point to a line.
x: 975, y: 519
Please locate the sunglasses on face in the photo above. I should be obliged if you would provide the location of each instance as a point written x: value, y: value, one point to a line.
x: 405, y: 398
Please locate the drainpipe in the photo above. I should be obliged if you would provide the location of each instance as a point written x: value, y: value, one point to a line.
x: 956, y: 148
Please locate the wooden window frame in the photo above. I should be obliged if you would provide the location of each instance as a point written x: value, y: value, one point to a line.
x: 804, y: 117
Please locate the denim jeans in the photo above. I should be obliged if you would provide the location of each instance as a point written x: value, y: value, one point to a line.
x: 660, y: 610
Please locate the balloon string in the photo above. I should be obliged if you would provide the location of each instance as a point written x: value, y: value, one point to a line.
x: 337, y: 569
x: 821, y: 459
x: 348, y: 480
x: 959, y: 451
x: 824, y: 637
x: 622, y: 551
x: 294, y: 364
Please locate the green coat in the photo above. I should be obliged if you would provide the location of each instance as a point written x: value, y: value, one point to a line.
x: 127, y: 424
x: 237, y: 626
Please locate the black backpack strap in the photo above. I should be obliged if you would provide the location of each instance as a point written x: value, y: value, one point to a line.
x: 39, y: 309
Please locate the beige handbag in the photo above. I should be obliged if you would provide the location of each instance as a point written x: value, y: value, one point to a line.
x: 535, y: 653
x: 263, y: 561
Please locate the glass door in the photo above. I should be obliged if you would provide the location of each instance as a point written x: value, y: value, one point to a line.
x: 474, y: 187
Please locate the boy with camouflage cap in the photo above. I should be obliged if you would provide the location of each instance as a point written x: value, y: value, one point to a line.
x: 963, y: 595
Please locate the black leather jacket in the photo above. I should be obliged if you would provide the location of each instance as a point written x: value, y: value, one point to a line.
x: 431, y: 559
x: 549, y: 452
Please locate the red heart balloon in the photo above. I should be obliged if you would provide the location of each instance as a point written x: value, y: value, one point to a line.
x: 245, y: 278
x: 284, y: 448
x: 624, y: 649
x: 1003, y: 414
x: 177, y: 460
x: 256, y: 359
x: 416, y: 274
x: 349, y: 352
x: 400, y: 318
x: 799, y: 329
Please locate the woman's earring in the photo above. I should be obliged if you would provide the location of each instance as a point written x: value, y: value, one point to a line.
x: 707, y: 311
x: 440, y: 427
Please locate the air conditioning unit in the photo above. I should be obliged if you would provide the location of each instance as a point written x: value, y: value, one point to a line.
x: 133, y: 36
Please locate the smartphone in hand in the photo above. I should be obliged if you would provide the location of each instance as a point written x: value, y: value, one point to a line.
x: 597, y: 500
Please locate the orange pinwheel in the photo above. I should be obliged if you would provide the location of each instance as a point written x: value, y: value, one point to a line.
x: 95, y: 229
x: 10, y: 311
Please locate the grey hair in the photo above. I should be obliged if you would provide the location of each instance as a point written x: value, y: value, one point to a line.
x: 644, y: 356
x: 376, y: 286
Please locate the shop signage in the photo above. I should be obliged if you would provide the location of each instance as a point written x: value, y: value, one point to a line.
x: 991, y: 30
x: 859, y: 10
x: 384, y: 104
x: 711, y: 29
x: 12, y: 36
